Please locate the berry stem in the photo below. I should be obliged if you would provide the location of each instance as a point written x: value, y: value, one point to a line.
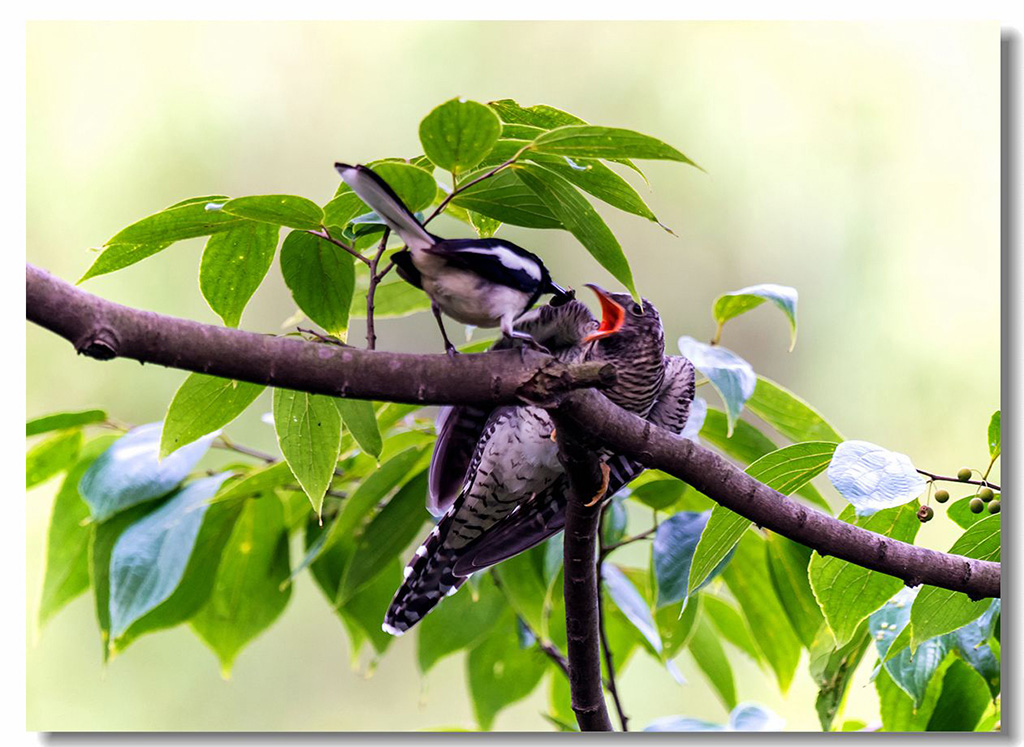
x: 942, y: 478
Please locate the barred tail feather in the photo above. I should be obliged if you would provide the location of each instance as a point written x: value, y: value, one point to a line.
x: 429, y: 577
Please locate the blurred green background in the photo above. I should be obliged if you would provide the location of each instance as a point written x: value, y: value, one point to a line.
x: 856, y: 162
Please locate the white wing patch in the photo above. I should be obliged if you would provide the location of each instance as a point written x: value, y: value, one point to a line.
x: 509, y: 259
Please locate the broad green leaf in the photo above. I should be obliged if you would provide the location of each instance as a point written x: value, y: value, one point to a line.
x: 201, y: 406
x: 506, y: 198
x: 309, y: 433
x: 788, y: 563
x: 873, y: 478
x: 345, y: 206
x: 660, y: 495
x: 522, y: 582
x: 630, y: 602
x: 589, y: 141
x: 62, y: 420
x: 392, y: 299
x: 975, y: 645
x: 995, y: 438
x: 485, y: 227
x: 595, y: 178
x: 897, y: 708
x: 458, y: 134
x: 707, y: 651
x: 257, y: 481
x: 52, y: 456
x: 748, y: 579
x: 673, y: 555
x: 118, y: 256
x: 185, y: 221
x: 962, y: 702
x: 788, y: 414
x: 731, y: 305
x: 459, y: 623
x: 67, y: 538
x: 731, y: 625
x: 614, y: 521
x: 361, y: 421
x: 580, y: 219
x: 278, y: 210
x: 247, y: 594
x: 150, y: 557
x: 130, y: 471
x: 321, y: 277
x: 414, y: 185
x: 387, y: 534
x: 541, y: 116
x: 730, y: 375
x: 747, y: 444
x: 499, y: 673
x: 848, y: 593
x: 365, y: 609
x: 234, y: 264
x: 961, y: 515
x: 937, y: 611
x: 786, y: 470
x: 913, y: 672
x: 832, y: 668
x: 374, y: 489
x: 676, y: 626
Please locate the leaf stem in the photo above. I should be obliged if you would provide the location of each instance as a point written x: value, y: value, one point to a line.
x: 943, y: 478
x: 463, y: 187
x: 324, y: 234
x: 606, y: 549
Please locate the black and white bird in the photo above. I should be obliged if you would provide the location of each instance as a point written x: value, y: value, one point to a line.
x: 512, y: 482
x: 482, y: 282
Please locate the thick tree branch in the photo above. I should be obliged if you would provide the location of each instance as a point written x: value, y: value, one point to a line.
x: 104, y: 330
x: 724, y: 483
x: 582, y: 611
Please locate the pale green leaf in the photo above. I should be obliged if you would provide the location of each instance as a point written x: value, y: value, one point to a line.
x: 233, y: 265
x: 458, y: 134
x: 202, y: 405
x: 589, y: 141
x: 278, y: 210
x: 361, y: 421
x: 731, y: 305
x: 52, y: 456
x: 321, y: 277
x: 309, y: 433
x: 62, y: 420
x: 788, y: 414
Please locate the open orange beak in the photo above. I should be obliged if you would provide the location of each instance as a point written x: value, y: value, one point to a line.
x: 612, y: 315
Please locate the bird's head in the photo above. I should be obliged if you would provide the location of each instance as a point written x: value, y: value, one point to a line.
x: 625, y: 322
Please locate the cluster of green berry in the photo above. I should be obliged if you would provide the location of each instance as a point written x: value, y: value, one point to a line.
x: 984, y: 497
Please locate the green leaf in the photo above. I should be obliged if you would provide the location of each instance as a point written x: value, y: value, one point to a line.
x: 676, y: 626
x: 67, y: 538
x: 361, y: 421
x: 309, y: 433
x: 897, y: 708
x: 485, y: 227
x: 387, y: 534
x: 747, y: 444
x: 187, y: 220
x: 150, y: 557
x: 832, y: 668
x: 589, y: 141
x: 393, y: 299
x: 499, y: 672
x: 788, y: 567
x: 631, y: 603
x: 52, y: 456
x: 730, y: 623
x: 278, y: 210
x: 786, y: 470
x: 506, y: 198
x: 522, y: 582
x: 458, y: 134
x: 63, y: 420
x: 673, y: 555
x: 731, y: 305
x: 365, y: 609
x: 848, y: 593
x: 460, y: 623
x: 748, y: 579
x: 788, y: 414
x: 247, y: 594
x: 234, y: 264
x: 414, y: 185
x: 202, y: 405
x: 660, y: 495
x: 118, y: 256
x: 540, y: 115
x: 580, y: 219
x: 960, y: 512
x: 321, y: 277
x: 937, y: 611
x: 256, y: 481
x: 594, y: 177
x: 962, y: 702
x: 995, y: 438
x: 130, y: 472
x: 731, y: 376
x: 713, y: 662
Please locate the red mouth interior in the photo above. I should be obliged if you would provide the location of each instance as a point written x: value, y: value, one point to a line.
x: 612, y: 315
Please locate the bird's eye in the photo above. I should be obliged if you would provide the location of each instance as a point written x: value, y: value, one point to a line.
x: 637, y: 310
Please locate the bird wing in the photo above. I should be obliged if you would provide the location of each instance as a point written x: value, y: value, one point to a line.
x: 558, y: 328
x: 544, y: 516
x: 376, y: 193
x: 498, y: 261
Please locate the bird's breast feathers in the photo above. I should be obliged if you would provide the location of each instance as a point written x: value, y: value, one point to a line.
x: 470, y: 299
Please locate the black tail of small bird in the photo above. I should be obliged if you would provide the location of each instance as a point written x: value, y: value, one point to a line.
x: 376, y: 193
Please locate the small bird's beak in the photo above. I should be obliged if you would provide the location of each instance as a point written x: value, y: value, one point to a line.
x: 612, y: 315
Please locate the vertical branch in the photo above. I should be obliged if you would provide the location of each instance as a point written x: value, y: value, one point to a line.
x: 608, y: 661
x: 375, y: 278
x: 582, y: 615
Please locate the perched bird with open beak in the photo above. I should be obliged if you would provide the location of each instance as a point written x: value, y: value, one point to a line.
x: 514, y: 456
x: 483, y: 282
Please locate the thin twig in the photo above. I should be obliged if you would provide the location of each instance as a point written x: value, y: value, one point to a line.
x: 324, y: 234
x: 606, y: 549
x: 223, y: 442
x: 941, y: 478
x: 371, y: 334
x: 549, y: 649
x: 605, y: 646
x: 462, y: 188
